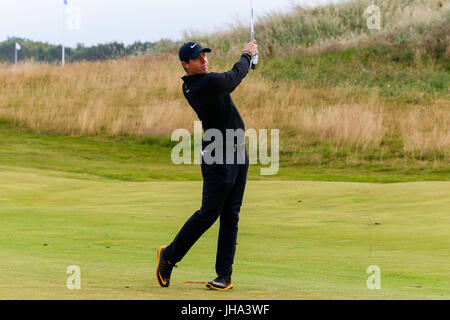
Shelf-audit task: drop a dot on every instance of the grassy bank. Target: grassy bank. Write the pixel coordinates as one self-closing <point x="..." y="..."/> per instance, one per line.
<point x="412" y="24"/>
<point x="142" y="98"/>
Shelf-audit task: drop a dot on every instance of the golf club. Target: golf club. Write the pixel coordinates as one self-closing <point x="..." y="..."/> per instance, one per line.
<point x="254" y="61"/>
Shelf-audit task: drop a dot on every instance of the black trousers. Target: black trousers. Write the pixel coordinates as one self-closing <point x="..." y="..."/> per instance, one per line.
<point x="223" y="192"/>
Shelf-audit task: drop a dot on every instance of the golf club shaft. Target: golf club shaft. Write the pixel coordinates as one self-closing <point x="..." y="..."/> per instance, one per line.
<point x="252" y="36"/>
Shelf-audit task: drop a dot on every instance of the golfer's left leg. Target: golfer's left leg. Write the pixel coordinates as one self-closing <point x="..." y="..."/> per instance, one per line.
<point x="229" y="219"/>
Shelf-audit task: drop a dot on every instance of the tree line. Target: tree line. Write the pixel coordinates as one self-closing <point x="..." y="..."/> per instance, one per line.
<point x="45" y="52"/>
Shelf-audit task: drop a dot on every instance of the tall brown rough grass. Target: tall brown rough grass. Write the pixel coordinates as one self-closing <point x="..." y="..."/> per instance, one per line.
<point x="139" y="97"/>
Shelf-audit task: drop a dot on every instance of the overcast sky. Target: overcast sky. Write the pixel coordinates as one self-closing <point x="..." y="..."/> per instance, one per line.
<point x="127" y="21"/>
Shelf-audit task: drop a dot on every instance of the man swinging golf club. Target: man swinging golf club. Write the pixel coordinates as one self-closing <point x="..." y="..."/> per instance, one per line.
<point x="223" y="183"/>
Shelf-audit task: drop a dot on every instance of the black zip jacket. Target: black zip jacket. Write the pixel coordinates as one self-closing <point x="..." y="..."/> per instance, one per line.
<point x="209" y="96"/>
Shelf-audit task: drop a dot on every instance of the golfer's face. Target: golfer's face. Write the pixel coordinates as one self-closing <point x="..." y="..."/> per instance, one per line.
<point x="199" y="65"/>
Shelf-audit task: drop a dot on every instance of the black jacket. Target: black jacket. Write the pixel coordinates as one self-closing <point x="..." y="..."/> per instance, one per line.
<point x="209" y="96"/>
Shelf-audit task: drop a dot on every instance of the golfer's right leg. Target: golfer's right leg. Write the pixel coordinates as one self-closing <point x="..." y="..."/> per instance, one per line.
<point x="215" y="191"/>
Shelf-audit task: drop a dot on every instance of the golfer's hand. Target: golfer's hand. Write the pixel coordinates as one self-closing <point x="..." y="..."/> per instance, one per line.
<point x="252" y="48"/>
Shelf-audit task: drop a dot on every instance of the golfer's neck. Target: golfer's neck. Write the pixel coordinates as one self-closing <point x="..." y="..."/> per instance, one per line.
<point x="193" y="74"/>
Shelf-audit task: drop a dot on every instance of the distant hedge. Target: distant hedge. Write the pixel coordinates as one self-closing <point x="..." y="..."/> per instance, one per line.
<point x="45" y="52"/>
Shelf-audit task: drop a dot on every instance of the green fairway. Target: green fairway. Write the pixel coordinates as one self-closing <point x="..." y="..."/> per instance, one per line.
<point x="297" y="239"/>
<point x="348" y="103"/>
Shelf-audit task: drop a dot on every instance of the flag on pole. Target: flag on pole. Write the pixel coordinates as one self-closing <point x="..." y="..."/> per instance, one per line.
<point x="18" y="47"/>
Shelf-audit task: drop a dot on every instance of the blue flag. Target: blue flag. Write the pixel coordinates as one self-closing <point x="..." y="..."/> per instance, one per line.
<point x="65" y="1"/>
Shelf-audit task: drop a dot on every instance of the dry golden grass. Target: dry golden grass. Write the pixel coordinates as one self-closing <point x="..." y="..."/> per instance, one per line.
<point x="142" y="97"/>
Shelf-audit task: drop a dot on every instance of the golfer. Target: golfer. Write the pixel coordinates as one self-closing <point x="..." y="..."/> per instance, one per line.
<point x="223" y="183"/>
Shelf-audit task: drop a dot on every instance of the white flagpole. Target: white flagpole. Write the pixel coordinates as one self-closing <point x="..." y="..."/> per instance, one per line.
<point x="63" y="53"/>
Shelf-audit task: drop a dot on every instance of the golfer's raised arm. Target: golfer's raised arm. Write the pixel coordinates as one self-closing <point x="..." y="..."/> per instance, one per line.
<point x="228" y="81"/>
